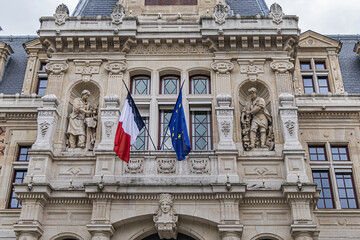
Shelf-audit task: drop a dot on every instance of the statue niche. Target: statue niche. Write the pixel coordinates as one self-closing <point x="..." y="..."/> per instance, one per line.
<point x="81" y="130"/>
<point x="256" y="121"/>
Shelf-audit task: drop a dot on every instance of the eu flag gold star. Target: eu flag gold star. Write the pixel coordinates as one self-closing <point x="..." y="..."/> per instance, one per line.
<point x="179" y="136"/>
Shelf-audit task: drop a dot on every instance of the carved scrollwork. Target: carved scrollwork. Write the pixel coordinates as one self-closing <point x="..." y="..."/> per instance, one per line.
<point x="118" y="13"/>
<point x="61" y="14"/>
<point x="220" y="13"/>
<point x="135" y="166"/>
<point x="281" y="66"/>
<point x="166" y="166"/>
<point x="56" y="68"/>
<point x="222" y="67"/>
<point x="290" y="125"/>
<point x="199" y="166"/>
<point x="115" y="67"/>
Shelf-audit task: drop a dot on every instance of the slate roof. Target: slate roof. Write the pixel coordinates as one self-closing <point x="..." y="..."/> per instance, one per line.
<point x="349" y="62"/>
<point x="104" y="7"/>
<point x="12" y="80"/>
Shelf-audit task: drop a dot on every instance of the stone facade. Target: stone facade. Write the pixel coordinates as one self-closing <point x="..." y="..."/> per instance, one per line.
<point x="225" y="192"/>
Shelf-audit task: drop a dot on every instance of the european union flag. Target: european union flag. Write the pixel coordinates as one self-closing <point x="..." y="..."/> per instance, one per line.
<point x="179" y="134"/>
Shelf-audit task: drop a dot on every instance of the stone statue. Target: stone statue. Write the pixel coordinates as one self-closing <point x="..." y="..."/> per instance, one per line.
<point x="82" y="123"/>
<point x="256" y="123"/>
<point x="165" y="219"/>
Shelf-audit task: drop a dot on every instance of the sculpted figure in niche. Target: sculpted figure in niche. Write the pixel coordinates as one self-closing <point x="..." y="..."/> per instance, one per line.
<point x="82" y="123"/>
<point x="256" y="123"/>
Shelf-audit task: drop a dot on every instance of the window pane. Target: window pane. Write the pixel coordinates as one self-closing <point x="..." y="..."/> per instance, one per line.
<point x="317" y="153"/>
<point x="339" y="153"/>
<point x="201" y="130"/>
<point x="320" y="65"/>
<point x="323" y="85"/>
<point x="346" y="190"/>
<point x="141" y="142"/>
<point x="170" y="85"/>
<point x="323" y="180"/>
<point x="305" y="65"/>
<point x="19" y="176"/>
<point x="165" y="138"/>
<point x="200" y="85"/>
<point x="141" y="85"/>
<point x="23" y="154"/>
<point x="42" y="84"/>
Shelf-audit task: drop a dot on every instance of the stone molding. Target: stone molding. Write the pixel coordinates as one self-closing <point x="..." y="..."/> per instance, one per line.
<point x="57" y="67"/>
<point x="329" y="115"/>
<point x="116" y="67"/>
<point x="87" y="68"/>
<point x="222" y="67"/>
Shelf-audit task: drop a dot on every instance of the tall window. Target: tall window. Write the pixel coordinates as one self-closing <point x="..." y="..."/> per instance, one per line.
<point x="42" y="80"/>
<point x="165" y="137"/>
<point x="331" y="163"/>
<point x="199" y="85"/>
<point x="140" y="85"/>
<point x="170" y="84"/>
<point x="201" y="130"/>
<point x="315" y="76"/>
<point x="141" y="142"/>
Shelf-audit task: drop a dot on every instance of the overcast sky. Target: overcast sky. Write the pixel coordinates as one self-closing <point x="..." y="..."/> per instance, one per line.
<point x="21" y="17"/>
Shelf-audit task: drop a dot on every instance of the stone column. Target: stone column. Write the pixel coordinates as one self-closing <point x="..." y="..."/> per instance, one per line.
<point x="223" y="69"/>
<point x="282" y="68"/>
<point x="335" y="70"/>
<point x="56" y="70"/>
<point x="302" y="198"/>
<point x="47" y="119"/>
<point x="105" y="157"/>
<point x="116" y="74"/>
<point x="40" y="163"/>
<point x="225" y="120"/>
<point x="293" y="151"/>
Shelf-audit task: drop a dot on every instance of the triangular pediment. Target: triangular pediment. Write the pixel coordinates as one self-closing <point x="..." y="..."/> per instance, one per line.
<point x="33" y="44"/>
<point x="311" y="39"/>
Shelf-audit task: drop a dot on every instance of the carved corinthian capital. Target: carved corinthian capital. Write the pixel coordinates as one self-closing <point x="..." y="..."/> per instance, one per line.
<point x="56" y="68"/>
<point x="115" y="67"/>
<point x="222" y="67"/>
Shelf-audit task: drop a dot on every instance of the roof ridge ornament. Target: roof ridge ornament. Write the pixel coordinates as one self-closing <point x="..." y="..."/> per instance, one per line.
<point x="61" y="14"/>
<point x="118" y="13"/>
<point x="276" y="13"/>
<point x="220" y="12"/>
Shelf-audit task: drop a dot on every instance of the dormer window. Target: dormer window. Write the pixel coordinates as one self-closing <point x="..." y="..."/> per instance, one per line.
<point x="315" y="76"/>
<point x="169" y="2"/>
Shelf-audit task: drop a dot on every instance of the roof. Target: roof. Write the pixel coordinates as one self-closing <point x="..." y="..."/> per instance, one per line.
<point x="12" y="80"/>
<point x="349" y="62"/>
<point x="104" y="7"/>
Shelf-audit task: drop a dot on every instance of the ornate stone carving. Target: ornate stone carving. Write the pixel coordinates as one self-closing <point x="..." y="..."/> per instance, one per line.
<point x="44" y="126"/>
<point x="281" y="66"/>
<point x="220" y="13"/>
<point x="166" y="219"/>
<point x="56" y="68"/>
<point x="256" y="123"/>
<point x="135" y="166"/>
<point x="115" y="67"/>
<point x="225" y="127"/>
<point x="199" y="166"/>
<point x="82" y="123"/>
<point x="165" y="49"/>
<point x="109" y="126"/>
<point x="252" y="68"/>
<point x="87" y="68"/>
<point x="2" y="141"/>
<point x="118" y="13"/>
<point x="290" y="126"/>
<point x="166" y="166"/>
<point x="276" y="13"/>
<point x="61" y="14"/>
<point x="222" y="67"/>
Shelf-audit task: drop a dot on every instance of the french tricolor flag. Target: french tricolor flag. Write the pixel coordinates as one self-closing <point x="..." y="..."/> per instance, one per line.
<point x="130" y="124"/>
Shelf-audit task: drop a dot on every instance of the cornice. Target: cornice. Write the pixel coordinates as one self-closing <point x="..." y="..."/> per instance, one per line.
<point x="329" y="115"/>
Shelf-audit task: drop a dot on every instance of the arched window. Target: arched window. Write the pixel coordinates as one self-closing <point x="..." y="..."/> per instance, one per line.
<point x="170" y="84"/>
<point x="140" y="85"/>
<point x="200" y="84"/>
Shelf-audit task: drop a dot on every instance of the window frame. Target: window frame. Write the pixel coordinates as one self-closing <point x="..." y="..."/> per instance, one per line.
<point x="209" y="112"/>
<point x="12" y="188"/>
<point x="353" y="188"/>
<point x="160" y="138"/>
<point x="315" y="73"/>
<point x="191" y="84"/>
<point x="146" y="136"/>
<point x="318" y="146"/>
<point x="132" y="84"/>
<point x="330" y="187"/>
<point x="162" y="91"/>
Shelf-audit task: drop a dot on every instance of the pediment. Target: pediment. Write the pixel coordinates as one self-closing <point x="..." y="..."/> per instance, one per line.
<point x="33" y="45"/>
<point x="310" y="39"/>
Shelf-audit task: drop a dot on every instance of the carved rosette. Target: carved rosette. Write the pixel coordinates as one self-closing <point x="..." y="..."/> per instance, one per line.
<point x="56" y="68"/>
<point x="115" y="67"/>
<point x="276" y="13"/>
<point x="61" y="14"/>
<point x="222" y="67"/>
<point x="165" y="218"/>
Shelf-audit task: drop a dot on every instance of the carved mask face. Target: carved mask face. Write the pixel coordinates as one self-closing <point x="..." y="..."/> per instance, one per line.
<point x="165" y="207"/>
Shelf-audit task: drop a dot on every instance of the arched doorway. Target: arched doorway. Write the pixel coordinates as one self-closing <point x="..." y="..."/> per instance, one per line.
<point x="179" y="237"/>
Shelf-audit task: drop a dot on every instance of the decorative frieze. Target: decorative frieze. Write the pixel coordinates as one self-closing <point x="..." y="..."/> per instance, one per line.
<point x="329" y="115"/>
<point x="165" y="49"/>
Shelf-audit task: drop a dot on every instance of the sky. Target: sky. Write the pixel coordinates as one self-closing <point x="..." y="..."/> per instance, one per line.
<point x="322" y="16"/>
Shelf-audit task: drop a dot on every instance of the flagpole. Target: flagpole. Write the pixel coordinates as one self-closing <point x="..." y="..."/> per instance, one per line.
<point x="167" y="128"/>
<point x="147" y="130"/>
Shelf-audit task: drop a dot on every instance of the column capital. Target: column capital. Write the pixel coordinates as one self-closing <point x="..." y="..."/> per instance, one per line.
<point x="222" y="66"/>
<point x="116" y="67"/>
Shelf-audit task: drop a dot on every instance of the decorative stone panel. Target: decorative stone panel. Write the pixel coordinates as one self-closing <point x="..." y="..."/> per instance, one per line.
<point x="200" y="166"/>
<point x="252" y="68"/>
<point x="116" y="75"/>
<point x="166" y="166"/>
<point x="225" y="120"/>
<point x="135" y="166"/>
<point x="87" y="68"/>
